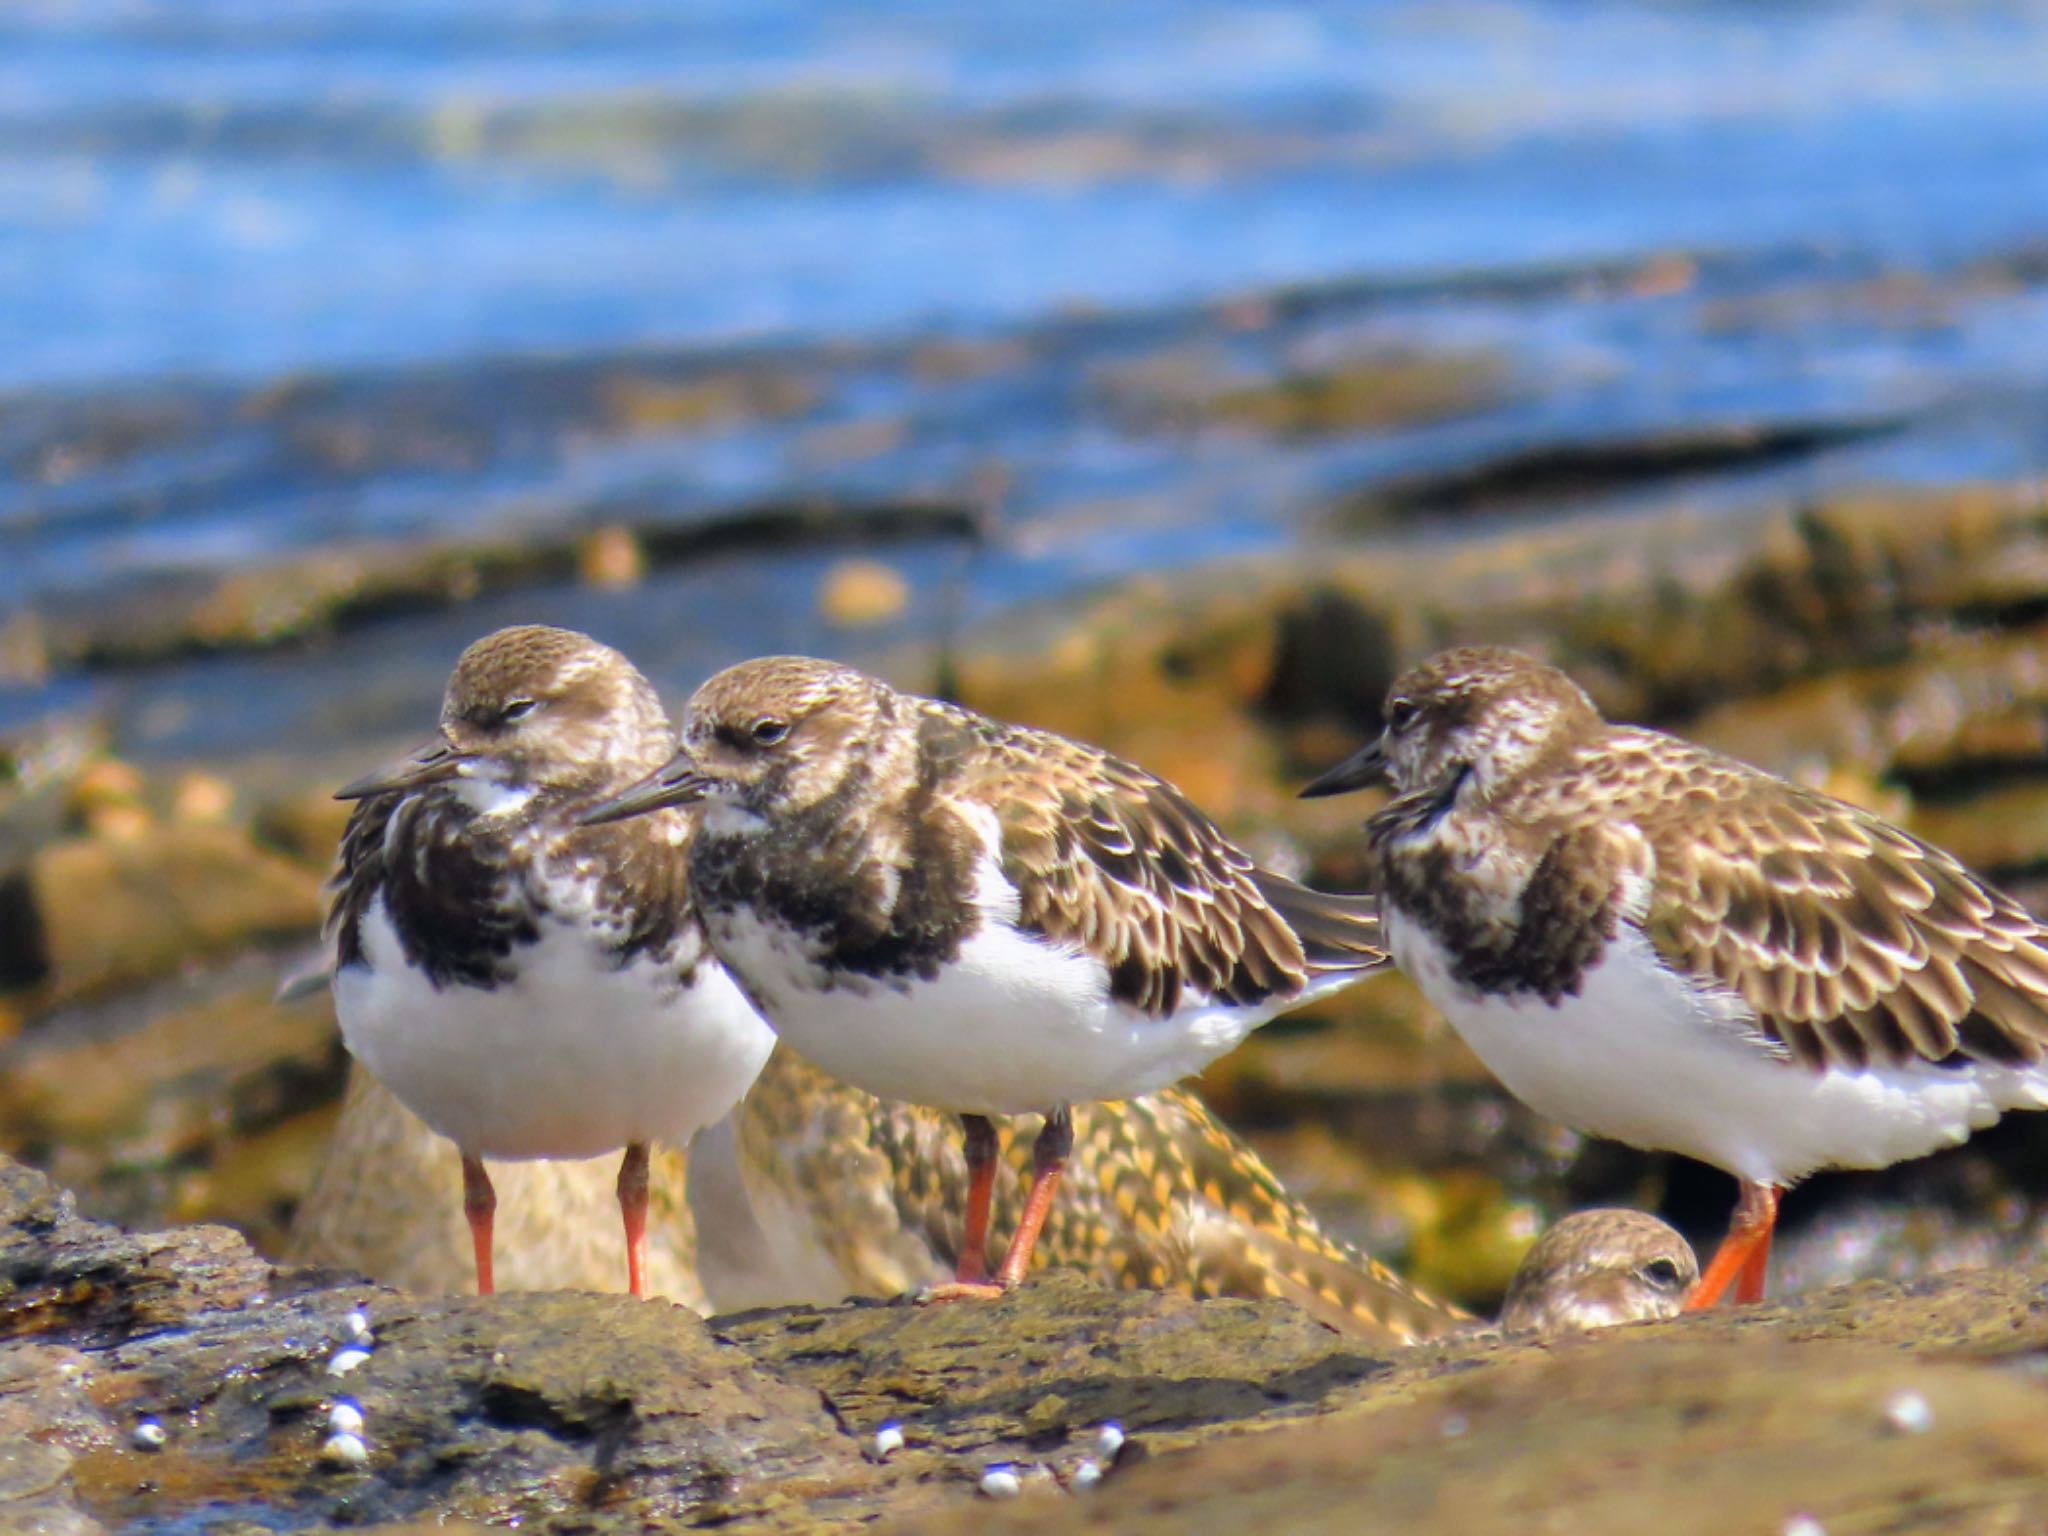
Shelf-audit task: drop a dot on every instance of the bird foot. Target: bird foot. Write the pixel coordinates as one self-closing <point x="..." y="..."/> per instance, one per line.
<point x="961" y="1290"/>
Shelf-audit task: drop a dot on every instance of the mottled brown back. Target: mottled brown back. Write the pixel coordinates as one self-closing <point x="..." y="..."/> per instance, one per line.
<point x="1157" y="1194"/>
<point x="1855" y="943"/>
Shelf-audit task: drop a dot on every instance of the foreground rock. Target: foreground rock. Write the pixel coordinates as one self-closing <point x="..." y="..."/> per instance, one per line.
<point x="1691" y="1433"/>
<point x="175" y="1379"/>
<point x="199" y="1381"/>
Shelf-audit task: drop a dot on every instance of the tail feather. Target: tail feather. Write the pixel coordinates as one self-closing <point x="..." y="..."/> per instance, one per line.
<point x="1337" y="932"/>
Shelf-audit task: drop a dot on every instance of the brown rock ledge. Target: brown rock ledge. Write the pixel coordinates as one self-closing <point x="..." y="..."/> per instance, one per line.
<point x="1871" y="1406"/>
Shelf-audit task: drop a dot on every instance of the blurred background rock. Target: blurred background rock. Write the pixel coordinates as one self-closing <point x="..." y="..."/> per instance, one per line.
<point x="1166" y="374"/>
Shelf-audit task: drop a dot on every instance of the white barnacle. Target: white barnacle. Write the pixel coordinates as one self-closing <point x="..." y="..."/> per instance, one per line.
<point x="1001" y="1482"/>
<point x="344" y="1450"/>
<point x="345" y="1418"/>
<point x="1085" y="1476"/>
<point x="1906" y="1412"/>
<point x="357" y="1326"/>
<point x="888" y="1438"/>
<point x="346" y="1360"/>
<point x="149" y="1435"/>
<point x="1109" y="1439"/>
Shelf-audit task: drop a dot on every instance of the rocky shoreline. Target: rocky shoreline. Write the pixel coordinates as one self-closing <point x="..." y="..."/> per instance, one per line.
<point x="177" y="1381"/>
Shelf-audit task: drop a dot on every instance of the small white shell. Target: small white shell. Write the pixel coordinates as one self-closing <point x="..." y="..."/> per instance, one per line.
<point x="888" y="1438"/>
<point x="1085" y="1476"/>
<point x="149" y="1435"/>
<point x="1001" y="1483"/>
<point x="357" y="1326"/>
<point x="1908" y="1413"/>
<point x="344" y="1450"/>
<point x="1109" y="1439"/>
<point x="1802" y="1525"/>
<point x="346" y="1360"/>
<point x="345" y="1418"/>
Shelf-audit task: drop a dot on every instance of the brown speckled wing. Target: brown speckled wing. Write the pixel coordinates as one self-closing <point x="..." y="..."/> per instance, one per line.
<point x="1158" y="1194"/>
<point x="1245" y="1235"/>
<point x="1122" y="865"/>
<point x="1854" y="943"/>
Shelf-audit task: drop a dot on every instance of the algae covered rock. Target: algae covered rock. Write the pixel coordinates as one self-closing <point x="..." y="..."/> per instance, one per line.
<point x="1025" y="1375"/>
<point x="175" y="1380"/>
<point x="211" y="1383"/>
<point x="1838" y="1410"/>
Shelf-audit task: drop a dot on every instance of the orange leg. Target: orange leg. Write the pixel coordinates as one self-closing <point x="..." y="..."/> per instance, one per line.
<point x="1049" y="1158"/>
<point x="982" y="1152"/>
<point x="633" y="1208"/>
<point x="970" y="1271"/>
<point x="1048" y="1162"/>
<point x="479" y="1205"/>
<point x="1744" y="1257"/>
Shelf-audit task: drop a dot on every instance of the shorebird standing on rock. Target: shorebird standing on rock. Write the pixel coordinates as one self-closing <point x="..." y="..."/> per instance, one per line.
<point x="530" y="986"/>
<point x="978" y="917"/>
<point x="1648" y="941"/>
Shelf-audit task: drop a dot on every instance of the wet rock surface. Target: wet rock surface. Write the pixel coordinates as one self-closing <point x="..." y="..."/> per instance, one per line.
<point x="1759" y="1431"/>
<point x="175" y="1380"/>
<point x="205" y="1385"/>
<point x="1030" y="1377"/>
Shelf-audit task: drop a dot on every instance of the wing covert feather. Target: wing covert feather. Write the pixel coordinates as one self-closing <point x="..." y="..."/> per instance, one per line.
<point x="1854" y="943"/>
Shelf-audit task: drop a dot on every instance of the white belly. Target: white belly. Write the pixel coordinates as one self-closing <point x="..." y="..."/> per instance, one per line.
<point x="1642" y="1056"/>
<point x="573" y="1060"/>
<point x="1012" y="1026"/>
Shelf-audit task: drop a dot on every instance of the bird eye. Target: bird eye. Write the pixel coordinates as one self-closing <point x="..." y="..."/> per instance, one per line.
<point x="1663" y="1274"/>
<point x="769" y="731"/>
<point x="1401" y="714"/>
<point x="517" y="709"/>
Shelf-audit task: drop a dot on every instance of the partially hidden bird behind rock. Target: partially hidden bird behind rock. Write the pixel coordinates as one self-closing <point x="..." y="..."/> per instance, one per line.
<point x="813" y="1191"/>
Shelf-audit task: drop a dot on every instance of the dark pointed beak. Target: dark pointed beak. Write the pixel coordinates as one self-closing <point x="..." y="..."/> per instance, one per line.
<point x="676" y="783"/>
<point x="1366" y="766"/>
<point x="434" y="762"/>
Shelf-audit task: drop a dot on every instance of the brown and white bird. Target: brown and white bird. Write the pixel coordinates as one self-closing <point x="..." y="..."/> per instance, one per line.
<point x="1598" y="1268"/>
<point x="532" y="987"/>
<point x="950" y="911"/>
<point x="811" y="1191"/>
<point x="1648" y="941"/>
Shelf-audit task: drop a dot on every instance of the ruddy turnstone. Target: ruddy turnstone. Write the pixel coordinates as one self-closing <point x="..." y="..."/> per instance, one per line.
<point x="813" y="1189"/>
<point x="978" y="917"/>
<point x="1649" y="941"/>
<point x="1597" y="1268"/>
<point x="529" y="986"/>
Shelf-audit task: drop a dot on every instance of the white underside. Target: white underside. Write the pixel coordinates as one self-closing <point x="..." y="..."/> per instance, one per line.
<point x="1646" y="1057"/>
<point x="575" y="1059"/>
<point x="1014" y="1025"/>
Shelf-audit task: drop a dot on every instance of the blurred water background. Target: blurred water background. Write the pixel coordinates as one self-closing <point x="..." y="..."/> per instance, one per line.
<point x="283" y="279"/>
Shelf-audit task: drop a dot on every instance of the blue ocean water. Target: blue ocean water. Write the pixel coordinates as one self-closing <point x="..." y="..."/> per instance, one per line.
<point x="440" y="231"/>
<point x="239" y="189"/>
